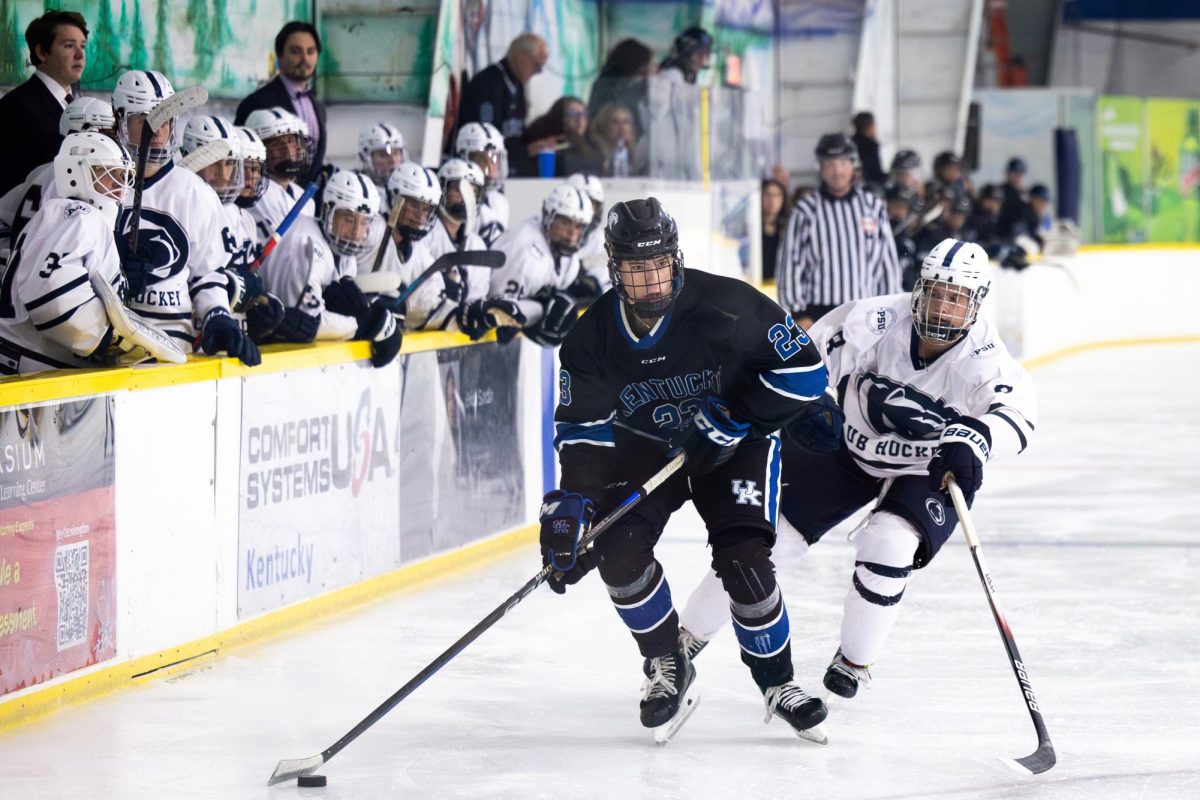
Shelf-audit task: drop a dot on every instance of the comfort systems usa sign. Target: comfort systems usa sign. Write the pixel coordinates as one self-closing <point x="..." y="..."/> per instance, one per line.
<point x="319" y="479"/>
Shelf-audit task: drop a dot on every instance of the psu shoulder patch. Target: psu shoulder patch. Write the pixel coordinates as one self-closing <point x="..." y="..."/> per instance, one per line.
<point x="879" y="319"/>
<point x="76" y="208"/>
<point x="985" y="350"/>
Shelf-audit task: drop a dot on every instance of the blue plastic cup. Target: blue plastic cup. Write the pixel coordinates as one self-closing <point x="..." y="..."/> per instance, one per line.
<point x="545" y="162"/>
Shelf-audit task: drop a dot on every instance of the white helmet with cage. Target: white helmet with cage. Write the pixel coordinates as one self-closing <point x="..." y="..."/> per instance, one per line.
<point x="954" y="279"/>
<point x="451" y="175"/>
<point x="136" y="94"/>
<point x="254" y="174"/>
<point x="569" y="203"/>
<point x="95" y="169"/>
<point x="418" y="189"/>
<point x="348" y="205"/>
<point x="381" y="149"/>
<point x="87" y="114"/>
<point x="223" y="175"/>
<point x="287" y="140"/>
<point x="482" y="144"/>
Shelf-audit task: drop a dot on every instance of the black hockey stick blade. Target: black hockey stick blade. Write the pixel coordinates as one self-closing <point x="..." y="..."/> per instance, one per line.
<point x="491" y="259"/>
<point x="1041" y="760"/>
<point x="292" y="768"/>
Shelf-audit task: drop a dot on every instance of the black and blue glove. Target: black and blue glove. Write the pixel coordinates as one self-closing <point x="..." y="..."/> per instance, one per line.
<point x="383" y="330"/>
<point x="136" y="266"/>
<point x="222" y="333"/>
<point x="963" y="449"/>
<point x="297" y="326"/>
<point x="563" y="518"/>
<point x="243" y="287"/>
<point x="818" y="426"/>
<point x="715" y="438"/>
<point x="263" y="317"/>
<point x="344" y="297"/>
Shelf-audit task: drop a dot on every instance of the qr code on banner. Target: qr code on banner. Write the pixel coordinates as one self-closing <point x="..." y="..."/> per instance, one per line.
<point x="71" y="581"/>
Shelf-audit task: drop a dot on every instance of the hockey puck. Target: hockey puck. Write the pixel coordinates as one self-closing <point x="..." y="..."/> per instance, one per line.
<point x="311" y="780"/>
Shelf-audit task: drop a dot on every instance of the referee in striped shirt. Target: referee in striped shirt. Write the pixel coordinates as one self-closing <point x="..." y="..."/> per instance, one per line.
<point x="838" y="246"/>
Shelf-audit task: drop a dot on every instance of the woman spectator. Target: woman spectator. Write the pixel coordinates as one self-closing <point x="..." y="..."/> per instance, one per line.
<point x="622" y="80"/>
<point x="612" y="133"/>
<point x="567" y="122"/>
<point x="774" y="222"/>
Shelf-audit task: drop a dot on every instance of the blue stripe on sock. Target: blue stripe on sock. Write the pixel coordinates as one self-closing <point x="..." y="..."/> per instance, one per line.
<point x="648" y="614"/>
<point x="765" y="640"/>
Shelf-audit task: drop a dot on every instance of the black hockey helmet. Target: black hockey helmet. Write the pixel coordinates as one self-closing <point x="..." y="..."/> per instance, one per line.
<point x="944" y="159"/>
<point x="640" y="230"/>
<point x="906" y="160"/>
<point x="836" y="145"/>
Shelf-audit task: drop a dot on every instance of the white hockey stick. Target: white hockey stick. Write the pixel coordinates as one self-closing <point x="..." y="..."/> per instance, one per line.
<point x="206" y="155"/>
<point x="378" y="282"/>
<point x="132" y="328"/>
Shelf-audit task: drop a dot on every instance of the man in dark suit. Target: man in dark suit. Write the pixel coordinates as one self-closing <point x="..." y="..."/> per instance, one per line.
<point x="31" y="111"/>
<point x="297" y="47"/>
<point x="497" y="95"/>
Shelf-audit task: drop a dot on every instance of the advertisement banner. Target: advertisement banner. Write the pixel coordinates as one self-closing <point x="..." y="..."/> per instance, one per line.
<point x="1173" y="128"/>
<point x="320" y="477"/>
<point x="461" y="447"/>
<point x="1121" y="138"/>
<point x="58" y="593"/>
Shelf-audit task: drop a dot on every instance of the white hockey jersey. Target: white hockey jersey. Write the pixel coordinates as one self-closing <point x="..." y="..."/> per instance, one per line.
<point x="21" y="202"/>
<point x="297" y="272"/>
<point x="274" y="205"/>
<point x="491" y="216"/>
<point x="531" y="272"/>
<point x="430" y="297"/>
<point x="238" y="236"/>
<point x="593" y="258"/>
<point x="181" y="230"/>
<point x="427" y="305"/>
<point x="50" y="318"/>
<point x="897" y="404"/>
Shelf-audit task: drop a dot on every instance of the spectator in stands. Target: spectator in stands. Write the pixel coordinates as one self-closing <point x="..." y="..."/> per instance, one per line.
<point x="612" y="133"/>
<point x="689" y="54"/>
<point x="868" y="149"/>
<point x="297" y="48"/>
<point x="623" y="79"/>
<point x="31" y="112"/>
<point x="566" y="123"/>
<point x="497" y="95"/>
<point x="774" y="221"/>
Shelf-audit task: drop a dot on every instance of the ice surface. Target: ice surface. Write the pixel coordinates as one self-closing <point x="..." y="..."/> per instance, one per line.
<point x="1093" y="538"/>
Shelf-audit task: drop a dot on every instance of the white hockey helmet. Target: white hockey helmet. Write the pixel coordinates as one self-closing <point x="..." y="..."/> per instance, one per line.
<point x="223" y="174"/>
<point x="254" y="159"/>
<point x="348" y="205"/>
<point x="95" y="169"/>
<point x="954" y="279"/>
<point x="136" y="94"/>
<point x="451" y="175"/>
<point x="568" y="203"/>
<point x="381" y="149"/>
<point x="591" y="186"/>
<point x="482" y="144"/>
<point x="87" y="114"/>
<point x="287" y="140"/>
<point x="418" y="189"/>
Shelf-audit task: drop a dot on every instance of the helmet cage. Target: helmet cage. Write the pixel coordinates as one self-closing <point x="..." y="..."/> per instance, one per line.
<point x="943" y="312"/>
<point x="289" y="155"/>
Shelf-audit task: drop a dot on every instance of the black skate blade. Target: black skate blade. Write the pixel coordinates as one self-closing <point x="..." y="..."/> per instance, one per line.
<point x="687" y="706"/>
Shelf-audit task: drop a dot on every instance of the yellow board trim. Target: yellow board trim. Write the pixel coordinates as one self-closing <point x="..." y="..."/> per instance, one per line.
<point x="1113" y="248"/>
<point x="38" y="703"/>
<point x="1059" y="355"/>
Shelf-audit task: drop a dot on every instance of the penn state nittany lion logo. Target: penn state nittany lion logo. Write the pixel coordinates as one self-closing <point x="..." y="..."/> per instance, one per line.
<point x="161" y="239"/>
<point x="900" y="409"/>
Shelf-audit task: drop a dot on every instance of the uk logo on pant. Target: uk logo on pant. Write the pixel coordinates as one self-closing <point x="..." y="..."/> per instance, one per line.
<point x="747" y="493"/>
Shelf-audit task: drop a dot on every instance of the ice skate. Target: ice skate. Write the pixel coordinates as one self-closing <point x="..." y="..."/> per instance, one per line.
<point x="689" y="643"/>
<point x="799" y="709"/>
<point x="669" y="697"/>
<point x="844" y="679"/>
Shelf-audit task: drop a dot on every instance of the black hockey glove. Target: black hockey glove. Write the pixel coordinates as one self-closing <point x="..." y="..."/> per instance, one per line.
<point x="136" y="266"/>
<point x="297" y="326"/>
<point x="714" y="439"/>
<point x="453" y="286"/>
<point x="344" y="297"/>
<point x="221" y="332"/>
<point x="477" y="318"/>
<point x="556" y="323"/>
<point x="380" y="327"/>
<point x="585" y="290"/>
<point x="564" y="516"/>
<point x="963" y="449"/>
<point x="243" y="286"/>
<point x="818" y="427"/>
<point x="263" y="317"/>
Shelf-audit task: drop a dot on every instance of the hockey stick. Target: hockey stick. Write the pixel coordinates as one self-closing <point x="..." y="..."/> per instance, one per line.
<point x="392" y="221"/>
<point x="206" y="155"/>
<point x="283" y="227"/>
<point x="294" y="768"/>
<point x="172" y="107"/>
<point x="491" y="259"/>
<point x="1043" y="758"/>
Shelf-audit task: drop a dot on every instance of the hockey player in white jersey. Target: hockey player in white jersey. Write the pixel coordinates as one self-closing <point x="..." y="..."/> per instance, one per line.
<point x="925" y="389"/>
<point x="21" y="202"/>
<point x="312" y="271"/>
<point x="542" y="262"/>
<point x="289" y="156"/>
<point x="481" y="144"/>
<point x="381" y="149"/>
<point x="593" y="259"/>
<point x="174" y="277"/>
<point x="51" y="316"/>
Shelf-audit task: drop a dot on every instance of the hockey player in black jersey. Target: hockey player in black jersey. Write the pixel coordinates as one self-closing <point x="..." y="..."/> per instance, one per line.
<point x="667" y="358"/>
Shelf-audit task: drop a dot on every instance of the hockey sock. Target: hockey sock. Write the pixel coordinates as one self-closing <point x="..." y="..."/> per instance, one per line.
<point x="646" y="609"/>
<point x="882" y="567"/>
<point x="742" y="559"/>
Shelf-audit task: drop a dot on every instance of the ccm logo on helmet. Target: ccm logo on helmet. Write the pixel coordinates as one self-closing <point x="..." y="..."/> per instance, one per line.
<point x="649" y="244"/>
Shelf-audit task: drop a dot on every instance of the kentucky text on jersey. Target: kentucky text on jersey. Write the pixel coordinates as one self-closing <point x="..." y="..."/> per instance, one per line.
<point x="676" y="387"/>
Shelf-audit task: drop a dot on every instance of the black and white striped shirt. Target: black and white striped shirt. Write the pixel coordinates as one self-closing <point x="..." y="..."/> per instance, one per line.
<point x="836" y="250"/>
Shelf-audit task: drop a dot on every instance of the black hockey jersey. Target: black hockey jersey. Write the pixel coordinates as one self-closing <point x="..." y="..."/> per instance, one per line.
<point x="721" y="337"/>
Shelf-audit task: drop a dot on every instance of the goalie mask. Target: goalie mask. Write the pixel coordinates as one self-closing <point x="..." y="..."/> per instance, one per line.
<point x="482" y="144"/>
<point x="286" y="138"/>
<point x="566" y="212"/>
<point x="417" y="188"/>
<point x="644" y="261"/>
<point x="348" y="206"/>
<point x="953" y="282"/>
<point x="453" y="175"/>
<point x="254" y="173"/>
<point x="88" y="114"/>
<point x="381" y="150"/>
<point x="95" y="169"/>
<point x="136" y="94"/>
<point x="224" y="175"/>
